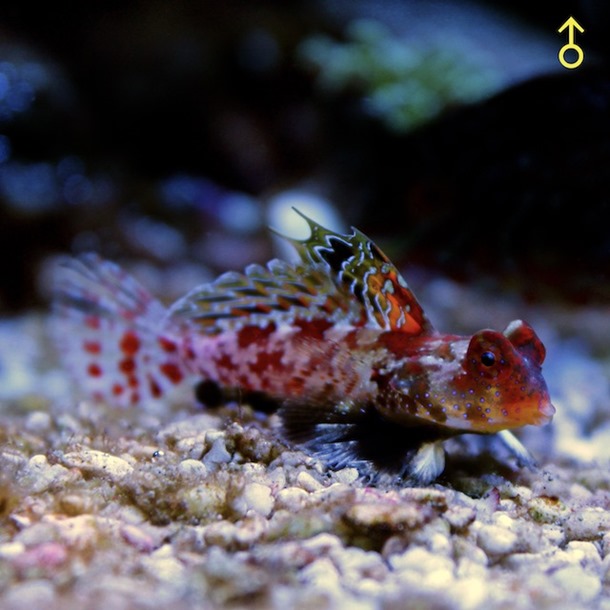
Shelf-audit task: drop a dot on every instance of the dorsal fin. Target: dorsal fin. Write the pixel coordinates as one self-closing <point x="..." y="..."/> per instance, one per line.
<point x="359" y="268"/>
<point x="341" y="278"/>
<point x="278" y="292"/>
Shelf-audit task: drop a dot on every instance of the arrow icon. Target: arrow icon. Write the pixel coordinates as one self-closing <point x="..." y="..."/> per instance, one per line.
<point x="572" y="25"/>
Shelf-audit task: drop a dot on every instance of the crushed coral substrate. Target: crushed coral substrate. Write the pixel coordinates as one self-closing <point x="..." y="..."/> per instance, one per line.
<point x="187" y="508"/>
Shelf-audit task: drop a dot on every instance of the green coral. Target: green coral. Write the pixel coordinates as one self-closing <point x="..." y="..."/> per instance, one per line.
<point x="404" y="82"/>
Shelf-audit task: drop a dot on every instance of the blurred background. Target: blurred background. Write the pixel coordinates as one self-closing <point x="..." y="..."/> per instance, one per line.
<point x="169" y="135"/>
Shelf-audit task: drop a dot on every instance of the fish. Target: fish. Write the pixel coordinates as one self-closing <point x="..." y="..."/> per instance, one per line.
<point x="336" y="343"/>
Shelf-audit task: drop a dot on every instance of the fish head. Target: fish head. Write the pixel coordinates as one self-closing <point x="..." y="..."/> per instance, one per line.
<point x="489" y="382"/>
<point x="500" y="385"/>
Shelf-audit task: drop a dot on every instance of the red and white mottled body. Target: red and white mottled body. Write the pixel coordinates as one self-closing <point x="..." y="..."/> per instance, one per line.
<point x="336" y="339"/>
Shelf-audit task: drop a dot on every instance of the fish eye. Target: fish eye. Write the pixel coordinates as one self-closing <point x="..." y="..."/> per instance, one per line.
<point x="488" y="359"/>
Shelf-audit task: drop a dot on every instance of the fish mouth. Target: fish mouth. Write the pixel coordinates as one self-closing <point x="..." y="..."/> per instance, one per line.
<point x="546" y="410"/>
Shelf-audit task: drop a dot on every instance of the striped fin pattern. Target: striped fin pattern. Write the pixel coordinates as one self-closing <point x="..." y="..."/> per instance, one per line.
<point x="277" y="292"/>
<point x="357" y="266"/>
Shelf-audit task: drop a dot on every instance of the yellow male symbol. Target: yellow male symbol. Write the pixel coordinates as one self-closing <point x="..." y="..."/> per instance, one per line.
<point x="571" y="24"/>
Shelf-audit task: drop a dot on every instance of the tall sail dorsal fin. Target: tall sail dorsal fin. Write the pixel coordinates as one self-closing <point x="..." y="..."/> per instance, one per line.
<point x="340" y="278"/>
<point x="358" y="266"/>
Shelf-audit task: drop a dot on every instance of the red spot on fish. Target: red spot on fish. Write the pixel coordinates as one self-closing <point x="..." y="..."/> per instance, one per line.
<point x="94" y="370"/>
<point x="243" y="381"/>
<point x="313" y="329"/>
<point x="224" y="362"/>
<point x="155" y="388"/>
<point x="399" y="343"/>
<point x="263" y="382"/>
<point x="351" y="339"/>
<point x="132" y="381"/>
<point x="268" y="360"/>
<point x="127" y="365"/>
<point x="130" y="343"/>
<point x="167" y="345"/>
<point x="172" y="372"/>
<point x="117" y="389"/>
<point x="296" y="385"/>
<point x="186" y="348"/>
<point x="92" y="347"/>
<point x="254" y="334"/>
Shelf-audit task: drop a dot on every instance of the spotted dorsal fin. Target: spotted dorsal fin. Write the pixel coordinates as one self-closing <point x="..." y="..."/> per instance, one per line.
<point x="359" y="267"/>
<point x="278" y="292"/>
<point x="341" y="278"/>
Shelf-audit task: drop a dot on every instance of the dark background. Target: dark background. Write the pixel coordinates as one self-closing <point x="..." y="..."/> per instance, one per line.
<point x="121" y="99"/>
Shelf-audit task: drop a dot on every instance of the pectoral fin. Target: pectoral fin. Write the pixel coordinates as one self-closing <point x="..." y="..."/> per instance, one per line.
<point x="349" y="436"/>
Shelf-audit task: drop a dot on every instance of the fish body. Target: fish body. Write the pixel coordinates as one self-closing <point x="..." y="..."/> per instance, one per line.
<point x="338" y="341"/>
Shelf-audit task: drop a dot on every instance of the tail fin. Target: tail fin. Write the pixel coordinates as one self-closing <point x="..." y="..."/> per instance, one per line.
<point x="111" y="333"/>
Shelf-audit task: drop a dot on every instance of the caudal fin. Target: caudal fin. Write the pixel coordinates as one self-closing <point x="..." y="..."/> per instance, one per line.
<point x="111" y="333"/>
